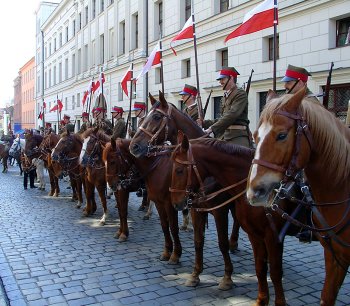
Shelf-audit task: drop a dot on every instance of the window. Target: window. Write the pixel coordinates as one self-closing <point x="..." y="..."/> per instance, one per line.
<point x="111" y="43"/>
<point x="339" y="97"/>
<point x="122" y="38"/>
<point x="86" y="15"/>
<point x="93" y="53"/>
<point x="343" y="32"/>
<point x="263" y="96"/>
<point x="86" y="57"/>
<point x="271" y="48"/>
<point x="73" y="102"/>
<point x="49" y="78"/>
<point x="79" y="62"/>
<point x="102" y="49"/>
<point x="102" y="5"/>
<point x="187" y="9"/>
<point x="120" y="92"/>
<point x="224" y="58"/>
<point x="160" y="18"/>
<point x="50" y="49"/>
<point x="158" y="76"/>
<point x="73" y="65"/>
<point x="158" y="22"/>
<point x="67" y="32"/>
<point x="66" y="103"/>
<point x="112" y="1"/>
<point x="60" y="72"/>
<point x="93" y="10"/>
<point x="135" y="29"/>
<point x="54" y="45"/>
<point x="186" y="68"/>
<point x="79" y="21"/>
<point x="73" y="27"/>
<point x="45" y="53"/>
<point x="217" y="107"/>
<point x="78" y="100"/>
<point x="60" y="40"/>
<point x="45" y="78"/>
<point x="54" y="75"/>
<point x="66" y="68"/>
<point x="223" y="5"/>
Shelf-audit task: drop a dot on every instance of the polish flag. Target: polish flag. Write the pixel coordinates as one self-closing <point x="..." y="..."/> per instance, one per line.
<point x="97" y="88"/>
<point x="126" y="78"/>
<point x="259" y="18"/>
<point x="186" y="33"/>
<point x="153" y="59"/>
<point x="44" y="104"/>
<point x="86" y="94"/>
<point x="57" y="106"/>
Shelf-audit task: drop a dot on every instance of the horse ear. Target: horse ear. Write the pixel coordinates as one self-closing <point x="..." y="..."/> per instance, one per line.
<point x="162" y="99"/>
<point x="294" y="102"/>
<point x="152" y="99"/>
<point x="185" y="144"/>
<point x="113" y="143"/>
<point x="180" y="136"/>
<point x="271" y="95"/>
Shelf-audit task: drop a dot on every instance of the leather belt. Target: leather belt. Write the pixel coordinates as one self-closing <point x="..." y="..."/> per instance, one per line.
<point x="237" y="127"/>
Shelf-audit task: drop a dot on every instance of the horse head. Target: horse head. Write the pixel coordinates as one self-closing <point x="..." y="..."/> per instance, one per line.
<point x="283" y="147"/>
<point x="32" y="143"/>
<point x="67" y="149"/>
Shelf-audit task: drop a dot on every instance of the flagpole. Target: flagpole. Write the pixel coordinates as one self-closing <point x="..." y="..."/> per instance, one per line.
<point x="130" y="98"/>
<point x="43" y="114"/>
<point x="58" y="118"/>
<point x="274" y="44"/>
<point x="101" y="81"/>
<point x="161" y="59"/>
<point x="199" y="99"/>
<point x="90" y="98"/>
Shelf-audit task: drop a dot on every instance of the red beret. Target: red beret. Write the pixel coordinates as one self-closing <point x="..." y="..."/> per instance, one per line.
<point x="117" y="109"/>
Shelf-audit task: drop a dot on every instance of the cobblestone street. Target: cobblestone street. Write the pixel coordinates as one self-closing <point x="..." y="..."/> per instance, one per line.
<point x="51" y="255"/>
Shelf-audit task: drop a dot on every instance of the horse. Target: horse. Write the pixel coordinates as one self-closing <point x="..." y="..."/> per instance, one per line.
<point x="15" y="151"/>
<point x="296" y="136"/>
<point x="66" y="153"/>
<point x="4" y="154"/>
<point x="229" y="164"/>
<point x="94" y="140"/>
<point x="162" y="124"/>
<point x="37" y="146"/>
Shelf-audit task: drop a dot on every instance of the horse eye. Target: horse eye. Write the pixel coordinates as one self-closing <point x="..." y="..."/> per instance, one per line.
<point x="157" y="117"/>
<point x="179" y="171"/>
<point x="281" y="136"/>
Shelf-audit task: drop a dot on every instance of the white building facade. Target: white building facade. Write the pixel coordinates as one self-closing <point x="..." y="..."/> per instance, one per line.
<point x="81" y="38"/>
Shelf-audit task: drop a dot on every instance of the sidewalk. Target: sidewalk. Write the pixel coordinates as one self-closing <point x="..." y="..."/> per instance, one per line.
<point x="51" y="255"/>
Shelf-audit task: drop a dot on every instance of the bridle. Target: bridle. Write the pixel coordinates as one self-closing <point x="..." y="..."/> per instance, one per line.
<point x="93" y="158"/>
<point x="164" y="125"/>
<point x="201" y="196"/>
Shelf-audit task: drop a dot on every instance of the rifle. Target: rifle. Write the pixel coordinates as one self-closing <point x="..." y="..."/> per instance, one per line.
<point x="207" y="103"/>
<point x="249" y="82"/>
<point x="328" y="86"/>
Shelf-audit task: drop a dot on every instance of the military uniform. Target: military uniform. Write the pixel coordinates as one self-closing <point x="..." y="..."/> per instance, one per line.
<point x="104" y="124"/>
<point x="119" y="130"/>
<point x="192" y="111"/>
<point x="190" y="92"/>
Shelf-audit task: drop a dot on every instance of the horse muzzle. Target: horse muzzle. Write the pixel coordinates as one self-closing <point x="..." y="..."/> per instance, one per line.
<point x="138" y="150"/>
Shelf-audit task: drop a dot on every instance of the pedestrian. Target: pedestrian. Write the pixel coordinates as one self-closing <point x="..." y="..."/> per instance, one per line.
<point x="119" y="130"/>
<point x="29" y="172"/>
<point x="233" y="125"/>
<point x="188" y="95"/>
<point x="296" y="78"/>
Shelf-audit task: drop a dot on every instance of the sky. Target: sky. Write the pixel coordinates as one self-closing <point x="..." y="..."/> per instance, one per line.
<point x="17" y="32"/>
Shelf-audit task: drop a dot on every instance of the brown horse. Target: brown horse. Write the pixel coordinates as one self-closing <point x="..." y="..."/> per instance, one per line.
<point x="37" y="146"/>
<point x="162" y="123"/>
<point x="229" y="164"/>
<point x="296" y="135"/>
<point x="66" y="153"/>
<point x="94" y="141"/>
<point x="4" y="155"/>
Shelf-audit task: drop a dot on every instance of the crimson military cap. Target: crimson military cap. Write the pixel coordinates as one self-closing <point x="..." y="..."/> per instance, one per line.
<point x="294" y="73"/>
<point x="48" y="124"/>
<point x="85" y="114"/>
<point x="189" y="90"/>
<point x="139" y="106"/>
<point x="226" y="72"/>
<point x="117" y="109"/>
<point x="66" y="116"/>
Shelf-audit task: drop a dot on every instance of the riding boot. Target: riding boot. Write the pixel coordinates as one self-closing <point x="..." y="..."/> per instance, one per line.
<point x="32" y="178"/>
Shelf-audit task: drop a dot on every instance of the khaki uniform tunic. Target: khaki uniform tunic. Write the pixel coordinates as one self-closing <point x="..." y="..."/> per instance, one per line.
<point x="192" y="111"/>
<point x="119" y="130"/>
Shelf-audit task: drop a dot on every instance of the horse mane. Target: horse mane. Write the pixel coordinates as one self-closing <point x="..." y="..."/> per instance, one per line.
<point x="75" y="136"/>
<point x="330" y="136"/>
<point x="225" y="147"/>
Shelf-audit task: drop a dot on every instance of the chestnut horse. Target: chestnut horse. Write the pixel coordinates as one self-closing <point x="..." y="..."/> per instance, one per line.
<point x="162" y="123"/>
<point x="37" y="146"/>
<point x="4" y="155"/>
<point x="229" y="164"/>
<point x="295" y="136"/>
<point x="66" y="153"/>
<point x="94" y="140"/>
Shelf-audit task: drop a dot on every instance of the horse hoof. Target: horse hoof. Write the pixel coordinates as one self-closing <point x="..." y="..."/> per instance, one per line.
<point x="141" y="208"/>
<point x="50" y="194"/>
<point x="173" y="260"/>
<point x="117" y="235"/>
<point x="164" y="257"/>
<point x="78" y="205"/>
<point x="122" y="238"/>
<point x="192" y="282"/>
<point x="102" y="222"/>
<point x="145" y="217"/>
<point x="226" y="284"/>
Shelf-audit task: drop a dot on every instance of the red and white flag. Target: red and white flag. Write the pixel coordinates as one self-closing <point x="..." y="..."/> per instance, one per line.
<point x="97" y="87"/>
<point x="58" y="106"/>
<point x="186" y="33"/>
<point x="259" y="18"/>
<point x="44" y="104"/>
<point x="125" y="79"/>
<point x="153" y="60"/>
<point x="86" y="94"/>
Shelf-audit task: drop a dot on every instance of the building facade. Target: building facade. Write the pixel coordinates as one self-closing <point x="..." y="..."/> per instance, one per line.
<point x="28" y="113"/>
<point x="82" y="38"/>
<point x="17" y="104"/>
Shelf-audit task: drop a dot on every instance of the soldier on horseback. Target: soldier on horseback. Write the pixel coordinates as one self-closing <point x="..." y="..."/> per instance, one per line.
<point x="67" y="124"/>
<point x="99" y="114"/>
<point x="119" y="130"/>
<point x="140" y="112"/>
<point x="86" y="123"/>
<point x="188" y="95"/>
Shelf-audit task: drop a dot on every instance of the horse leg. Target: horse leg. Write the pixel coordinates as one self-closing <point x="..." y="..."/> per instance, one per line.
<point x="186" y="223"/>
<point x="89" y="188"/>
<point x="102" y="193"/>
<point x="122" y="199"/>
<point x="335" y="275"/>
<point x="168" y="245"/>
<point x="275" y="255"/>
<point x="20" y="167"/>
<point x="57" y="187"/>
<point x="235" y="231"/>
<point x="73" y="184"/>
<point x="260" y="258"/>
<point x="198" y="222"/>
<point x="174" y="228"/>
<point x="221" y="223"/>
<point x="52" y="183"/>
<point x="149" y="209"/>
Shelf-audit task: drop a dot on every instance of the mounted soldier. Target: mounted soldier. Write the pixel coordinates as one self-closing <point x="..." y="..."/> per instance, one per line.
<point x="48" y="128"/>
<point x="233" y="125"/>
<point x="99" y="114"/>
<point x="85" y="124"/>
<point x="140" y="112"/>
<point x="188" y="95"/>
<point x="67" y="124"/>
<point x="119" y="130"/>
<point x="296" y="78"/>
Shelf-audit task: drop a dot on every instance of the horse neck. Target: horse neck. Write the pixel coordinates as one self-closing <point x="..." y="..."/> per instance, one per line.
<point x="186" y="125"/>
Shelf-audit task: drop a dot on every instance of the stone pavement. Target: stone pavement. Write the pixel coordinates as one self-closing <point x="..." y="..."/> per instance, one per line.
<point x="51" y="255"/>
